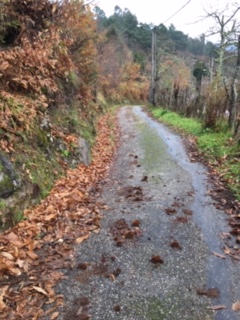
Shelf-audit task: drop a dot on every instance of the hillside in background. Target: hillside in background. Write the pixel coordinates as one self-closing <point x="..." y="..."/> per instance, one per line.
<point x="192" y="76"/>
<point x="173" y="47"/>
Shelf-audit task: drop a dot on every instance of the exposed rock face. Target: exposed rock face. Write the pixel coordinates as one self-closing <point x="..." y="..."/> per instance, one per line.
<point x="17" y="194"/>
<point x="84" y="151"/>
<point x="9" y="181"/>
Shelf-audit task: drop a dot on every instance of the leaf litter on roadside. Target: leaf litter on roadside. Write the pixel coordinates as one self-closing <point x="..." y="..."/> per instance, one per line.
<point x="33" y="252"/>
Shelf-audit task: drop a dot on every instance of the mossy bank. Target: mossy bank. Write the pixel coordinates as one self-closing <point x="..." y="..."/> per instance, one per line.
<point x="55" y="141"/>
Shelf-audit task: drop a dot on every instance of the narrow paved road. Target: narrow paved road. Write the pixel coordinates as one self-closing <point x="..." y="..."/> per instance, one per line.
<point x="153" y="258"/>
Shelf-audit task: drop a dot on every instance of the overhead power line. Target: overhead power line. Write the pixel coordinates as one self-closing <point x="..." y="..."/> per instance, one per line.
<point x="178" y="11"/>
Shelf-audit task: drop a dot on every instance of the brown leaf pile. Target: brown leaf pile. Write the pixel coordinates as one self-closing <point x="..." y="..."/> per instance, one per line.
<point x="34" y="251"/>
<point x="122" y="231"/>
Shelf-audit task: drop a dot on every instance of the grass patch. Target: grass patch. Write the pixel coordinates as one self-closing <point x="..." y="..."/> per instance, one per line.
<point x="217" y="145"/>
<point x="191" y="126"/>
<point x="19" y="216"/>
<point x="2" y="204"/>
<point x="42" y="154"/>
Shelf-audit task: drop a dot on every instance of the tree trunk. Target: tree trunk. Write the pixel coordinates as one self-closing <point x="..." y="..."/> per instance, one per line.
<point x="152" y="96"/>
<point x="234" y="94"/>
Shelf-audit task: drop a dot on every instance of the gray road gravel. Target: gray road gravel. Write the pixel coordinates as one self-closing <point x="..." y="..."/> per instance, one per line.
<point x="155" y="268"/>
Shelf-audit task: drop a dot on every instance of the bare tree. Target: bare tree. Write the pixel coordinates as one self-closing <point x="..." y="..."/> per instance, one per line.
<point x="226" y="27"/>
<point x="233" y="94"/>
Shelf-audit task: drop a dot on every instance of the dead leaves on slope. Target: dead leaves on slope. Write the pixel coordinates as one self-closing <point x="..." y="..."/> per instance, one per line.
<point x="33" y="252"/>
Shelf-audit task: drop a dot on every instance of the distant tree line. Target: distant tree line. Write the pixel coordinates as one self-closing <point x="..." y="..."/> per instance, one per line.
<point x="139" y="34"/>
<point x="194" y="76"/>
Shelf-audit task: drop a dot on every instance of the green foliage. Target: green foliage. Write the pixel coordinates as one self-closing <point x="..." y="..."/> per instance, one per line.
<point x="65" y="153"/>
<point x="140" y="58"/>
<point x="179" y="38"/>
<point x="125" y="23"/>
<point x="216" y="144"/>
<point x="74" y="79"/>
<point x="195" y="46"/>
<point x="200" y="70"/>
<point x="101" y="17"/>
<point x="2" y="204"/>
<point x="19" y="216"/>
<point x="139" y="35"/>
<point x="209" y="49"/>
<point x="191" y="126"/>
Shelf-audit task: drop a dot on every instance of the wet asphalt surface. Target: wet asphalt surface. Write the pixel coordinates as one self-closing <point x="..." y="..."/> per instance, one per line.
<point x="152" y="258"/>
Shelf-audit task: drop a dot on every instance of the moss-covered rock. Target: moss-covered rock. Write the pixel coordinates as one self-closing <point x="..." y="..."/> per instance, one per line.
<point x="42" y="154"/>
<point x="8" y="178"/>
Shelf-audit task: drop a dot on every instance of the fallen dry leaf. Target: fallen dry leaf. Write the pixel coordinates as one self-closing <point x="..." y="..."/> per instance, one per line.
<point x="129" y="234"/>
<point x="7" y="255"/>
<point x="50" y="217"/>
<point x="2" y="293"/>
<point x="170" y="211"/>
<point x="175" y="244"/>
<point x="82" y="265"/>
<point x="188" y="212"/>
<point x="136" y="223"/>
<point x="156" y="260"/>
<point x="219" y="307"/>
<point x="32" y="255"/>
<point x="111" y="276"/>
<point x="210" y="293"/>
<point x="235" y="257"/>
<point x="82" y="238"/>
<point x="227" y="250"/>
<point x="181" y="220"/>
<point x="219" y="255"/>
<point x="225" y="235"/>
<point x="54" y="315"/>
<point x="117" y="308"/>
<point x="40" y="290"/>
<point x="236" y="306"/>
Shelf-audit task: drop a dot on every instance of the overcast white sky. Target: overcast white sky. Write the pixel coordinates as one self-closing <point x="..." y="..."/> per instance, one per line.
<point x="157" y="11"/>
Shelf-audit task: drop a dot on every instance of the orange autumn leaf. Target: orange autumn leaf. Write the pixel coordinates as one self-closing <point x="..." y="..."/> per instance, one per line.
<point x="40" y="290"/>
<point x="236" y="306"/>
<point x="32" y="255"/>
<point x="82" y="238"/>
<point x="54" y="315"/>
<point x="50" y="217"/>
<point x="2" y="294"/>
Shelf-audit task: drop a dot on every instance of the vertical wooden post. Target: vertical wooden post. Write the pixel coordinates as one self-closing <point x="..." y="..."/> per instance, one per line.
<point x="152" y="97"/>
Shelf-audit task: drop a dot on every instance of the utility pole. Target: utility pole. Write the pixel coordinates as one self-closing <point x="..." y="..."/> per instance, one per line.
<point x="152" y="96"/>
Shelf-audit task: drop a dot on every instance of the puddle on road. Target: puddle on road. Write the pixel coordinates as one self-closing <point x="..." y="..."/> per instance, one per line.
<point x="222" y="274"/>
